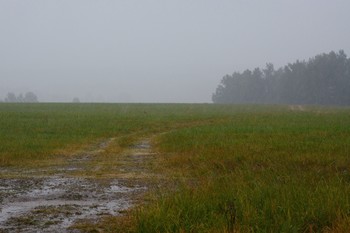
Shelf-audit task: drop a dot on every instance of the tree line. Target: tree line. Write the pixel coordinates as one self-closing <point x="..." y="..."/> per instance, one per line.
<point x="28" y="97"/>
<point x="322" y="80"/>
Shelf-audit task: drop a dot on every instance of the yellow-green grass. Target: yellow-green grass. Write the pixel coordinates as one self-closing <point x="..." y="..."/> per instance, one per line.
<point x="229" y="168"/>
<point x="261" y="171"/>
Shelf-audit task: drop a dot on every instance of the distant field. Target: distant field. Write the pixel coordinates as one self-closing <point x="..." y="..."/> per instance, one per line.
<point x="227" y="168"/>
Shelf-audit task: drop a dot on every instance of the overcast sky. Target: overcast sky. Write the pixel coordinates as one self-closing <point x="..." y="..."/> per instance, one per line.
<point x="156" y="50"/>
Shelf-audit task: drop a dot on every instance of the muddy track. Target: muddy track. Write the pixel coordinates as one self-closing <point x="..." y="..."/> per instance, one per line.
<point x="33" y="202"/>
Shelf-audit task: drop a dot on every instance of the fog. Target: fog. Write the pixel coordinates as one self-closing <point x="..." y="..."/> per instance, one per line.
<point x="156" y="51"/>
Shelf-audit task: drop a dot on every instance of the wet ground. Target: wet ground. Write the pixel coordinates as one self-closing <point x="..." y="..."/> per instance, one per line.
<point x="37" y="203"/>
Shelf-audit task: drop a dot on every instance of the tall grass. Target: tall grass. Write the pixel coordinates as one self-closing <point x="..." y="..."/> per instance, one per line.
<point x="280" y="171"/>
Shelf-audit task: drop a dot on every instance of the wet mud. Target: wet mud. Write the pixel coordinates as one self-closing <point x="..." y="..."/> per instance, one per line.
<point x="35" y="203"/>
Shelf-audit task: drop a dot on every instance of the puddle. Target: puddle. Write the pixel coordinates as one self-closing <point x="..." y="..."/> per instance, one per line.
<point x="53" y="203"/>
<point x="142" y="145"/>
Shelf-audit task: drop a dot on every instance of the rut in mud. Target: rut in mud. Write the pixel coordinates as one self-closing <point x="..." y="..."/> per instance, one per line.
<point x="32" y="202"/>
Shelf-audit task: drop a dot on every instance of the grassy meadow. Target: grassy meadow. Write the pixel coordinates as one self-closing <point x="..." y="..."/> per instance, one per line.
<point x="225" y="168"/>
<point x="40" y="132"/>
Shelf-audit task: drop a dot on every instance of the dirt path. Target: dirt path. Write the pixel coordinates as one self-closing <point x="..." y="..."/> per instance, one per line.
<point x="32" y="202"/>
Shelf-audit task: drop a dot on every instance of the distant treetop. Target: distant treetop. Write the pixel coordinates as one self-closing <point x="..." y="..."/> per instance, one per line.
<point x="76" y="100"/>
<point x="322" y="80"/>
<point x="28" y="97"/>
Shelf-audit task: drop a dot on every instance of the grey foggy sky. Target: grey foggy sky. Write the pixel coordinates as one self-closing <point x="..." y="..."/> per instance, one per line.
<point x="156" y="50"/>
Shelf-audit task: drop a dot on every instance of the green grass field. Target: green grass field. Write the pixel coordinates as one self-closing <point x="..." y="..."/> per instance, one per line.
<point x="227" y="168"/>
<point x="38" y="132"/>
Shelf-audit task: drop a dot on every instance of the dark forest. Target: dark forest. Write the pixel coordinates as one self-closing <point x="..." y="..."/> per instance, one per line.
<point x="322" y="80"/>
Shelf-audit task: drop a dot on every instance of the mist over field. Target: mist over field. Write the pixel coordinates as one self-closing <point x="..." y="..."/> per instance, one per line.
<point x="271" y="154"/>
<point x="156" y="51"/>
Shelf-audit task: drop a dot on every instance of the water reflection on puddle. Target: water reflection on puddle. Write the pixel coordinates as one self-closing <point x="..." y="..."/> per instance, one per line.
<point x="60" y="201"/>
